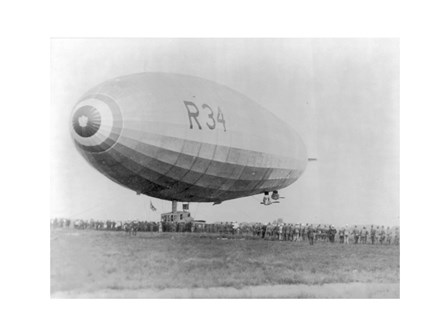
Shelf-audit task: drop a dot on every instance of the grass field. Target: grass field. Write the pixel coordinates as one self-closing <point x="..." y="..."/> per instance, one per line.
<point x="113" y="264"/>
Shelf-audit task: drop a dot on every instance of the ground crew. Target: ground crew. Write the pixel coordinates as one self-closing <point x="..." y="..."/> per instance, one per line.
<point x="388" y="235"/>
<point x="397" y="236"/>
<point x="364" y="234"/>
<point x="372" y="234"/>
<point x="305" y="232"/>
<point x="331" y="233"/>
<point x="382" y="235"/>
<point x="346" y="235"/>
<point x="377" y="236"/>
<point x="273" y="231"/>
<point x="356" y="234"/>
<point x="311" y="234"/>
<point x="317" y="232"/>
<point x="325" y="233"/>
<point x="288" y="232"/>
<point x="267" y="234"/>
<point x="295" y="233"/>
<point x="341" y="236"/>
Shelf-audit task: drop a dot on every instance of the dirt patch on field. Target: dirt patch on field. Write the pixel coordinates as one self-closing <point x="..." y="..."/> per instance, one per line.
<point x="335" y="290"/>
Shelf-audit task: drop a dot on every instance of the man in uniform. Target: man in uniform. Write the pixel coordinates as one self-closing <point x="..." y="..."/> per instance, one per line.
<point x="299" y="232"/>
<point x="311" y="234"/>
<point x="263" y="231"/>
<point x="288" y="232"/>
<point x="317" y="232"/>
<point x="356" y="234"/>
<point x="295" y="232"/>
<point x="397" y="236"/>
<point x="363" y="235"/>
<point x="274" y="231"/>
<point x="372" y="234"/>
<point x="346" y="235"/>
<point x="377" y="236"/>
<point x="341" y="236"/>
<point x="331" y="233"/>
<point x="325" y="233"/>
<point x="388" y="235"/>
<point x="267" y="235"/>
<point x="382" y="235"/>
<point x="305" y="232"/>
<point x="291" y="233"/>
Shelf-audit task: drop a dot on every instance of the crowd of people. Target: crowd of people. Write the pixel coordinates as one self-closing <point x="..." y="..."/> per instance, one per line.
<point x="310" y="233"/>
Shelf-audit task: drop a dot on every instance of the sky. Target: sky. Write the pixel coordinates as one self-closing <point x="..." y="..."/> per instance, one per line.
<point x="340" y="95"/>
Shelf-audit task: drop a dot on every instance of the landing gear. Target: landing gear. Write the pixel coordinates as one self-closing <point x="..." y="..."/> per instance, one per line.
<point x="267" y="200"/>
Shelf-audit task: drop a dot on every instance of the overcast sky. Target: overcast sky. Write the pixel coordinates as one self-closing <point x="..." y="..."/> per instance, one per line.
<point x="341" y="96"/>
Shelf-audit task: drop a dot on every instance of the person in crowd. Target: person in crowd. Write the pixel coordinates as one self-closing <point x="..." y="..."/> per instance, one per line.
<point x="382" y="235"/>
<point x="356" y="234"/>
<point x="346" y="235"/>
<point x="388" y="236"/>
<point x="363" y="235"/>
<point x="341" y="236"/>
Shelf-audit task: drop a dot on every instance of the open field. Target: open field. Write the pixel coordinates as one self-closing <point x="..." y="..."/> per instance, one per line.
<point x="113" y="264"/>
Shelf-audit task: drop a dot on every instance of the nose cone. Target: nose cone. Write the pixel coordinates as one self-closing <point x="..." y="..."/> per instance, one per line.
<point x="86" y="121"/>
<point x="96" y="123"/>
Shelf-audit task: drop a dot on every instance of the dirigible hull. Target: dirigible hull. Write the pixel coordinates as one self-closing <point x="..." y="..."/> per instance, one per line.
<point x="184" y="138"/>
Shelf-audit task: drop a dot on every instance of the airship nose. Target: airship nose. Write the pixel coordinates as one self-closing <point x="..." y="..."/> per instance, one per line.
<point x="96" y="123"/>
<point x="86" y="121"/>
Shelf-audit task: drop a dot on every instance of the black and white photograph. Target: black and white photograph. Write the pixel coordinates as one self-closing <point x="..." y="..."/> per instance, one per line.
<point x="230" y="168"/>
<point x="223" y="168"/>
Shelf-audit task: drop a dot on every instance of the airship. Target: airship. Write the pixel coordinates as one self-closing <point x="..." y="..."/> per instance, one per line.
<point x="185" y="139"/>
